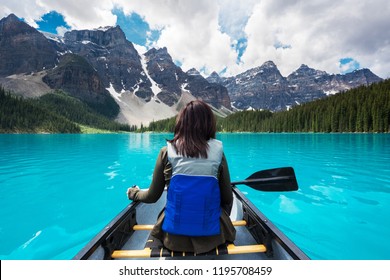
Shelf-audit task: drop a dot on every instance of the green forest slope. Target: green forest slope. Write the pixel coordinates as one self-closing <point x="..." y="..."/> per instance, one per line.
<point x="51" y="113"/>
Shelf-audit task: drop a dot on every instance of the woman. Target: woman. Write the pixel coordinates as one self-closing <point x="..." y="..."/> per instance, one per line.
<point x="199" y="199"/>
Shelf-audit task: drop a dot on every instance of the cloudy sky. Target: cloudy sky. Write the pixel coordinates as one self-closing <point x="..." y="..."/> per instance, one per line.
<point x="230" y="36"/>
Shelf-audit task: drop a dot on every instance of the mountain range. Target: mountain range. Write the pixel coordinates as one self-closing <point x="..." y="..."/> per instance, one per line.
<point x="103" y="69"/>
<point x="264" y="87"/>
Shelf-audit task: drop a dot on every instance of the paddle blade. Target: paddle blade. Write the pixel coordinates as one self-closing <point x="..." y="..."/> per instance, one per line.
<point x="272" y="180"/>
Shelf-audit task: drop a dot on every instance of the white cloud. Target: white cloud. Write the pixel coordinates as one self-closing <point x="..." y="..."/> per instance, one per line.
<point x="233" y="16"/>
<point x="319" y="32"/>
<point x="61" y="30"/>
<point x="83" y="14"/>
<point x="198" y="45"/>
<point x="348" y="65"/>
<point x="189" y="30"/>
<point x="79" y="14"/>
<point x="29" y="10"/>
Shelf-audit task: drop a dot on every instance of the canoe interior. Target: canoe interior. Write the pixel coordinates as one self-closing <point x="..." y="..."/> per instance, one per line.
<point x="118" y="234"/>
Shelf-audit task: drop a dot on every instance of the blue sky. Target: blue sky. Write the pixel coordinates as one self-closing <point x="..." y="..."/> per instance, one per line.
<point x="135" y="28"/>
<point x="348" y="64"/>
<point x="229" y="36"/>
<point x="51" y="21"/>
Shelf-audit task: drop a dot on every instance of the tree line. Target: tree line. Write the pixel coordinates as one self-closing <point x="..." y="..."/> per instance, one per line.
<point x="79" y="112"/>
<point x="363" y="109"/>
<point x="54" y="112"/>
<point x="20" y="115"/>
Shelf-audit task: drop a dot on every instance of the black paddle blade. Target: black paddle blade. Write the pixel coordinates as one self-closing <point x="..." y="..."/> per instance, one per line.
<point x="272" y="180"/>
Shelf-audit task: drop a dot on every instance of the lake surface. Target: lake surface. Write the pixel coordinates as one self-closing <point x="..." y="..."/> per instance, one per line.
<point x="58" y="191"/>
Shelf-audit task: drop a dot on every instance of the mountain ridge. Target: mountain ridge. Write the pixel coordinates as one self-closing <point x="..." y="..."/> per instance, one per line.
<point x="264" y="87"/>
<point x="117" y="72"/>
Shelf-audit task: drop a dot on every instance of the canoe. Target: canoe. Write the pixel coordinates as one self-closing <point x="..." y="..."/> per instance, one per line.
<point x="127" y="236"/>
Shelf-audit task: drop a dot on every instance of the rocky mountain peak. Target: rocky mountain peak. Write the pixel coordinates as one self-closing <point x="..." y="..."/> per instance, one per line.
<point x="158" y="54"/>
<point x="108" y="36"/>
<point x="159" y="51"/>
<point x="269" y="64"/>
<point x="269" y="67"/>
<point x="214" y="75"/>
<point x="11" y="18"/>
<point x="193" y="72"/>
<point x="305" y="71"/>
<point x="23" y="49"/>
<point x="266" y="73"/>
<point x="359" y="77"/>
<point x="12" y="24"/>
<point x="214" y="78"/>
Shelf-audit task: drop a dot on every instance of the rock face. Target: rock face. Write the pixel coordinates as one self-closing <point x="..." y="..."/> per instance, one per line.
<point x="152" y="75"/>
<point x="77" y="77"/>
<point x="172" y="81"/>
<point x="261" y="87"/>
<point x="166" y="75"/>
<point x="307" y="84"/>
<point x="23" y="49"/>
<point x="212" y="93"/>
<point x="304" y="84"/>
<point x="114" y="58"/>
<point x="265" y="88"/>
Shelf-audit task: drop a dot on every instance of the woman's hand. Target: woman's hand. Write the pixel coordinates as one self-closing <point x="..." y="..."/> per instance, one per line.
<point x="131" y="192"/>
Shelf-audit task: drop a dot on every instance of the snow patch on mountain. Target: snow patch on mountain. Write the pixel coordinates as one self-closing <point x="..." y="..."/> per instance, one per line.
<point x="103" y="28"/>
<point x="184" y="87"/>
<point x="53" y="37"/>
<point x="331" y="92"/>
<point x="155" y="88"/>
<point x="113" y="93"/>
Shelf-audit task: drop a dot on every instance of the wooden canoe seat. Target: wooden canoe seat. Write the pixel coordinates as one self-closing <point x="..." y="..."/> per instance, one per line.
<point x="155" y="249"/>
<point x="225" y="249"/>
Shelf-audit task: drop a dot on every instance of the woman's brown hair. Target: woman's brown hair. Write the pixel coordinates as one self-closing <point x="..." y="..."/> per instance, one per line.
<point x="195" y="125"/>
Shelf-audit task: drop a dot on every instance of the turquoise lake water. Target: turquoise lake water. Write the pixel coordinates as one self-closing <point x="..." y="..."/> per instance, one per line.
<point x="58" y="191"/>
